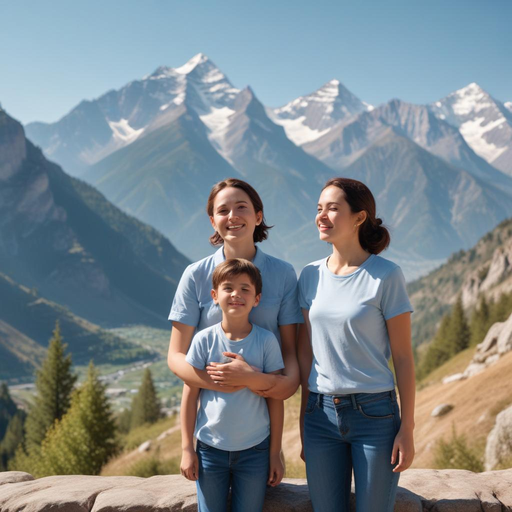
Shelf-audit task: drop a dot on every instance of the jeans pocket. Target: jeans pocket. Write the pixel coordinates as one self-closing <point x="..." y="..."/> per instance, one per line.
<point x="202" y="446"/>
<point x="263" y="446"/>
<point x="377" y="410"/>
<point x="311" y="403"/>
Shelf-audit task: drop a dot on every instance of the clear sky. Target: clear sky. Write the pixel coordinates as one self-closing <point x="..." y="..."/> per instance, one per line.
<point x="55" y="53"/>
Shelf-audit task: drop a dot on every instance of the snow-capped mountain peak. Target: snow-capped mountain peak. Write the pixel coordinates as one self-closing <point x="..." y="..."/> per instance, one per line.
<point x="508" y="105"/>
<point x="195" y="61"/>
<point x="307" y="118"/>
<point x="483" y="122"/>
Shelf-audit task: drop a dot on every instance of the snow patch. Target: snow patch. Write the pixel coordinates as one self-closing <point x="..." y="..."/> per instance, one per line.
<point x="298" y="132"/>
<point x="123" y="132"/>
<point x="473" y="132"/>
<point x="508" y="105"/>
<point x="200" y="58"/>
<point x="217" y="122"/>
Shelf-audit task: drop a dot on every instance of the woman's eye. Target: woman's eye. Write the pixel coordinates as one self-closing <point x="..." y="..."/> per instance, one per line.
<point x="333" y="209"/>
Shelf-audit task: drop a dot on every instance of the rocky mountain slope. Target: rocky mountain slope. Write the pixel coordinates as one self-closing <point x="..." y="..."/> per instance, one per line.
<point x="63" y="238"/>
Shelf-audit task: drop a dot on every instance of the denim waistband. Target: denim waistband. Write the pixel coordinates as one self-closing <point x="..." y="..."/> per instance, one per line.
<point x="353" y="398"/>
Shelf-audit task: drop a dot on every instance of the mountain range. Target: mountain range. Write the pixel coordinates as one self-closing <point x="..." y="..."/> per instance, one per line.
<point x="155" y="146"/>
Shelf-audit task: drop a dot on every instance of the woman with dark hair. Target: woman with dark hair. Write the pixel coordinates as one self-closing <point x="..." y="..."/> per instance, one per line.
<point x="357" y="314"/>
<point x="236" y="213"/>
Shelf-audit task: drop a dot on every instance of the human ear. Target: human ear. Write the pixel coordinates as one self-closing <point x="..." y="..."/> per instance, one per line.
<point x="212" y="221"/>
<point x="213" y="293"/>
<point x="259" y="218"/>
<point x="257" y="300"/>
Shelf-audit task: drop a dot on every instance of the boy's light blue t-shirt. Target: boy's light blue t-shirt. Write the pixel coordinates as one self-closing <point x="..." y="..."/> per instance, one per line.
<point x="233" y="421"/>
<point x="348" y="324"/>
<point x="279" y="305"/>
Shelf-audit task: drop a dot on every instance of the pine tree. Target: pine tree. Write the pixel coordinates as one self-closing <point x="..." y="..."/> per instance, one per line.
<point x="54" y="384"/>
<point x="145" y="404"/>
<point x="13" y="438"/>
<point x="439" y="350"/>
<point x="7" y="408"/>
<point x="458" y="334"/>
<point x="480" y="322"/>
<point x="85" y="438"/>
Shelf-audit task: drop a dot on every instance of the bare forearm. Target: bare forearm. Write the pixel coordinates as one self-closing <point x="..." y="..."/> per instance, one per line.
<point x="404" y="369"/>
<point x="188" y="413"/>
<point x="188" y="374"/>
<point x="276" y="414"/>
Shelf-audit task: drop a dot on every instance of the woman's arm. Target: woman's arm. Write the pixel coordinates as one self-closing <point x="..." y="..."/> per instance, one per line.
<point x="181" y="336"/>
<point x="276" y="414"/>
<point x="238" y="372"/>
<point x="305" y="357"/>
<point x="399" y="330"/>
<point x="189" y="463"/>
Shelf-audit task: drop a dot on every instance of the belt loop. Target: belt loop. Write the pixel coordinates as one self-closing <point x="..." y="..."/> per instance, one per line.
<point x="353" y="398"/>
<point x="319" y="400"/>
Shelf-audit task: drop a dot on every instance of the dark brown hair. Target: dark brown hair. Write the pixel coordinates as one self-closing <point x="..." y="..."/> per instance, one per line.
<point x="373" y="236"/>
<point x="236" y="267"/>
<point x="261" y="231"/>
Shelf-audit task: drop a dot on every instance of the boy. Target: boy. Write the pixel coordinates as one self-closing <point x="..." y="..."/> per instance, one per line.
<point x="232" y="429"/>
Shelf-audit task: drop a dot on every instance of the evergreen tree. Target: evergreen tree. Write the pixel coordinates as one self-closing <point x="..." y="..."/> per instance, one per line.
<point x="7" y="408"/>
<point x="458" y="334"/>
<point x="85" y="438"/>
<point x="145" y="404"/>
<point x="439" y="350"/>
<point x="480" y="322"/>
<point x="13" y="438"/>
<point x="54" y="384"/>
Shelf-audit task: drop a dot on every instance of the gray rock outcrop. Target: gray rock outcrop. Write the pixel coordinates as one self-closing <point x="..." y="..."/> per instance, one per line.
<point x="499" y="441"/>
<point x="420" y="490"/>
<point x="497" y="342"/>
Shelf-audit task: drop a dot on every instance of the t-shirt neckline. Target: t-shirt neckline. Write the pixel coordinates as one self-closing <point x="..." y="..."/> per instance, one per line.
<point x="239" y="342"/>
<point x="358" y="269"/>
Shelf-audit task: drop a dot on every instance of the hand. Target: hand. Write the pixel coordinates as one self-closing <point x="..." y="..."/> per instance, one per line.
<point x="276" y="472"/>
<point x="189" y="464"/>
<point x="403" y="449"/>
<point x="234" y="373"/>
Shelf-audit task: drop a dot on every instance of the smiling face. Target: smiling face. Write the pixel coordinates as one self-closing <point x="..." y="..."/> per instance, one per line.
<point x="334" y="220"/>
<point x="234" y="217"/>
<point x="236" y="296"/>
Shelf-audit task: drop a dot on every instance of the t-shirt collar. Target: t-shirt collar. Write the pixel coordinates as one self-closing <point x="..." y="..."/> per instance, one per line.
<point x="259" y="257"/>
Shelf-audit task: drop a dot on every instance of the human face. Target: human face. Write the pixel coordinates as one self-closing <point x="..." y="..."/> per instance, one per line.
<point x="236" y="296"/>
<point x="233" y="216"/>
<point x="334" y="220"/>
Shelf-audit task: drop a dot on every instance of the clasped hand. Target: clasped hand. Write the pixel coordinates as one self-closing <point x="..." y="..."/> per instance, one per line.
<point x="235" y="373"/>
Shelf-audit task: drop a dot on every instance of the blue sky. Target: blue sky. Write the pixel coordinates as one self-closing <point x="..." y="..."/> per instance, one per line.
<point x="55" y="53"/>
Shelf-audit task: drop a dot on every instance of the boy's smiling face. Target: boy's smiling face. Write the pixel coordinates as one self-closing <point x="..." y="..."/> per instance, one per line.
<point x="236" y="296"/>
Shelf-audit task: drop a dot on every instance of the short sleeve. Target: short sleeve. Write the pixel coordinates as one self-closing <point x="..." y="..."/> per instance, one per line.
<point x="197" y="354"/>
<point x="304" y="303"/>
<point x="185" y="306"/>
<point x="272" y="359"/>
<point x="395" y="300"/>
<point x="289" y="311"/>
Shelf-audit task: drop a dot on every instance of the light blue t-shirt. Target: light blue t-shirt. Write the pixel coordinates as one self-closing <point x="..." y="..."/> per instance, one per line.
<point x="233" y="421"/>
<point x="279" y="305"/>
<point x="348" y="324"/>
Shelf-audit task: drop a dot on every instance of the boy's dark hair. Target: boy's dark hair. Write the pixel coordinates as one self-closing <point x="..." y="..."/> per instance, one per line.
<point x="236" y="267"/>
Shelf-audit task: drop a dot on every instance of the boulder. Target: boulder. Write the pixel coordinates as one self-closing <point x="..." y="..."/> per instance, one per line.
<point x="499" y="441"/>
<point x="441" y="410"/>
<point x="420" y="490"/>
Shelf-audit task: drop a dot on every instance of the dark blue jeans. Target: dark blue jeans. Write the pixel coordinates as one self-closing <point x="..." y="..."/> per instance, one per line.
<point x="348" y="432"/>
<point x="245" y="471"/>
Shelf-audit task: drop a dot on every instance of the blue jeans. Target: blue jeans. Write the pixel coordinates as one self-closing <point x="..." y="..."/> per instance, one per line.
<point x="245" y="471"/>
<point x="348" y="432"/>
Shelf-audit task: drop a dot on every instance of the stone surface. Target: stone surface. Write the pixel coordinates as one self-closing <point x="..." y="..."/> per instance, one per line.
<point x="441" y="410"/>
<point x="145" y="446"/>
<point x="497" y="342"/>
<point x="420" y="490"/>
<point x="499" y="440"/>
